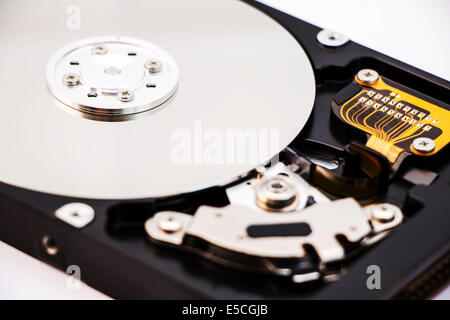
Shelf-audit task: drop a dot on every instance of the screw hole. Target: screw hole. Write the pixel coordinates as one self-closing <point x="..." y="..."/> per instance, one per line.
<point x="283" y="174"/>
<point x="276" y="185"/>
<point x="50" y="246"/>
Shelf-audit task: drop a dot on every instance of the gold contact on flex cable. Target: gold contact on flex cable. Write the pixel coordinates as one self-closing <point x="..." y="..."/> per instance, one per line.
<point x="395" y="120"/>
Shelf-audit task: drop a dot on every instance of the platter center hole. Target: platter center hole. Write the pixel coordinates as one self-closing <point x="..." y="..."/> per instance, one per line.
<point x="113" y="71"/>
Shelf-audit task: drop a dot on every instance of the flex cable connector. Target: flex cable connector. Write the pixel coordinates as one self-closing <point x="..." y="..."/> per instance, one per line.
<point x="397" y="121"/>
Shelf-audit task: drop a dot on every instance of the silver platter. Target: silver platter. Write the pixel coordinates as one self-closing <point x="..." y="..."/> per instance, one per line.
<point x="239" y="71"/>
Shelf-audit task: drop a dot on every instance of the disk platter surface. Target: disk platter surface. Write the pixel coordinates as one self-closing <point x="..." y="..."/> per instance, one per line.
<point x="238" y="70"/>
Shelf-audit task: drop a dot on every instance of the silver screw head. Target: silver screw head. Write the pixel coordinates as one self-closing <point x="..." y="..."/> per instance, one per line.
<point x="331" y="38"/>
<point x="99" y="50"/>
<point x="384" y="212"/>
<point x="125" y="95"/>
<point x="153" y="65"/>
<point x="424" y="145"/>
<point x="275" y="193"/>
<point x="368" y="76"/>
<point x="260" y="170"/>
<point x="170" y="224"/>
<point x="71" y="79"/>
<point x="277" y="185"/>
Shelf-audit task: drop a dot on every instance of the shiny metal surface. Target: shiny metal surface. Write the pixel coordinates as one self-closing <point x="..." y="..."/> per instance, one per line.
<point x="368" y="76"/>
<point x="116" y="70"/>
<point x="424" y="144"/>
<point x="331" y="38"/>
<point x="383" y="217"/>
<point x="276" y="193"/>
<point x="227" y="227"/>
<point x="222" y="49"/>
<point x="245" y="193"/>
<point x="77" y="214"/>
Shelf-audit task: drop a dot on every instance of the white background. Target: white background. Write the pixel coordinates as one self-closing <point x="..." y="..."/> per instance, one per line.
<point x="413" y="31"/>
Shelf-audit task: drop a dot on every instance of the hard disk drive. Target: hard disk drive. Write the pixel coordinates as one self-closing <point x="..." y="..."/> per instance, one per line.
<point x="219" y="149"/>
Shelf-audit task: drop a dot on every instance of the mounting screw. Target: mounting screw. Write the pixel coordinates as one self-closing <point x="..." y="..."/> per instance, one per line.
<point x="276" y="193"/>
<point x="424" y="145"/>
<point x="170" y="224"/>
<point x="260" y="170"/>
<point x="77" y="214"/>
<point x="71" y="79"/>
<point x="277" y="186"/>
<point x="125" y="95"/>
<point x="330" y="38"/>
<point x="99" y="50"/>
<point x="384" y="212"/>
<point x="153" y="65"/>
<point x="368" y="76"/>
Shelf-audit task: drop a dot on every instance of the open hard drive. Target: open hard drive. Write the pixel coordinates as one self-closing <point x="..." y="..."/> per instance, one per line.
<point x="220" y="149"/>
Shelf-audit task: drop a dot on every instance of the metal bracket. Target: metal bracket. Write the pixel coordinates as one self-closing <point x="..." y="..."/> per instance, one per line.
<point x="245" y="236"/>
